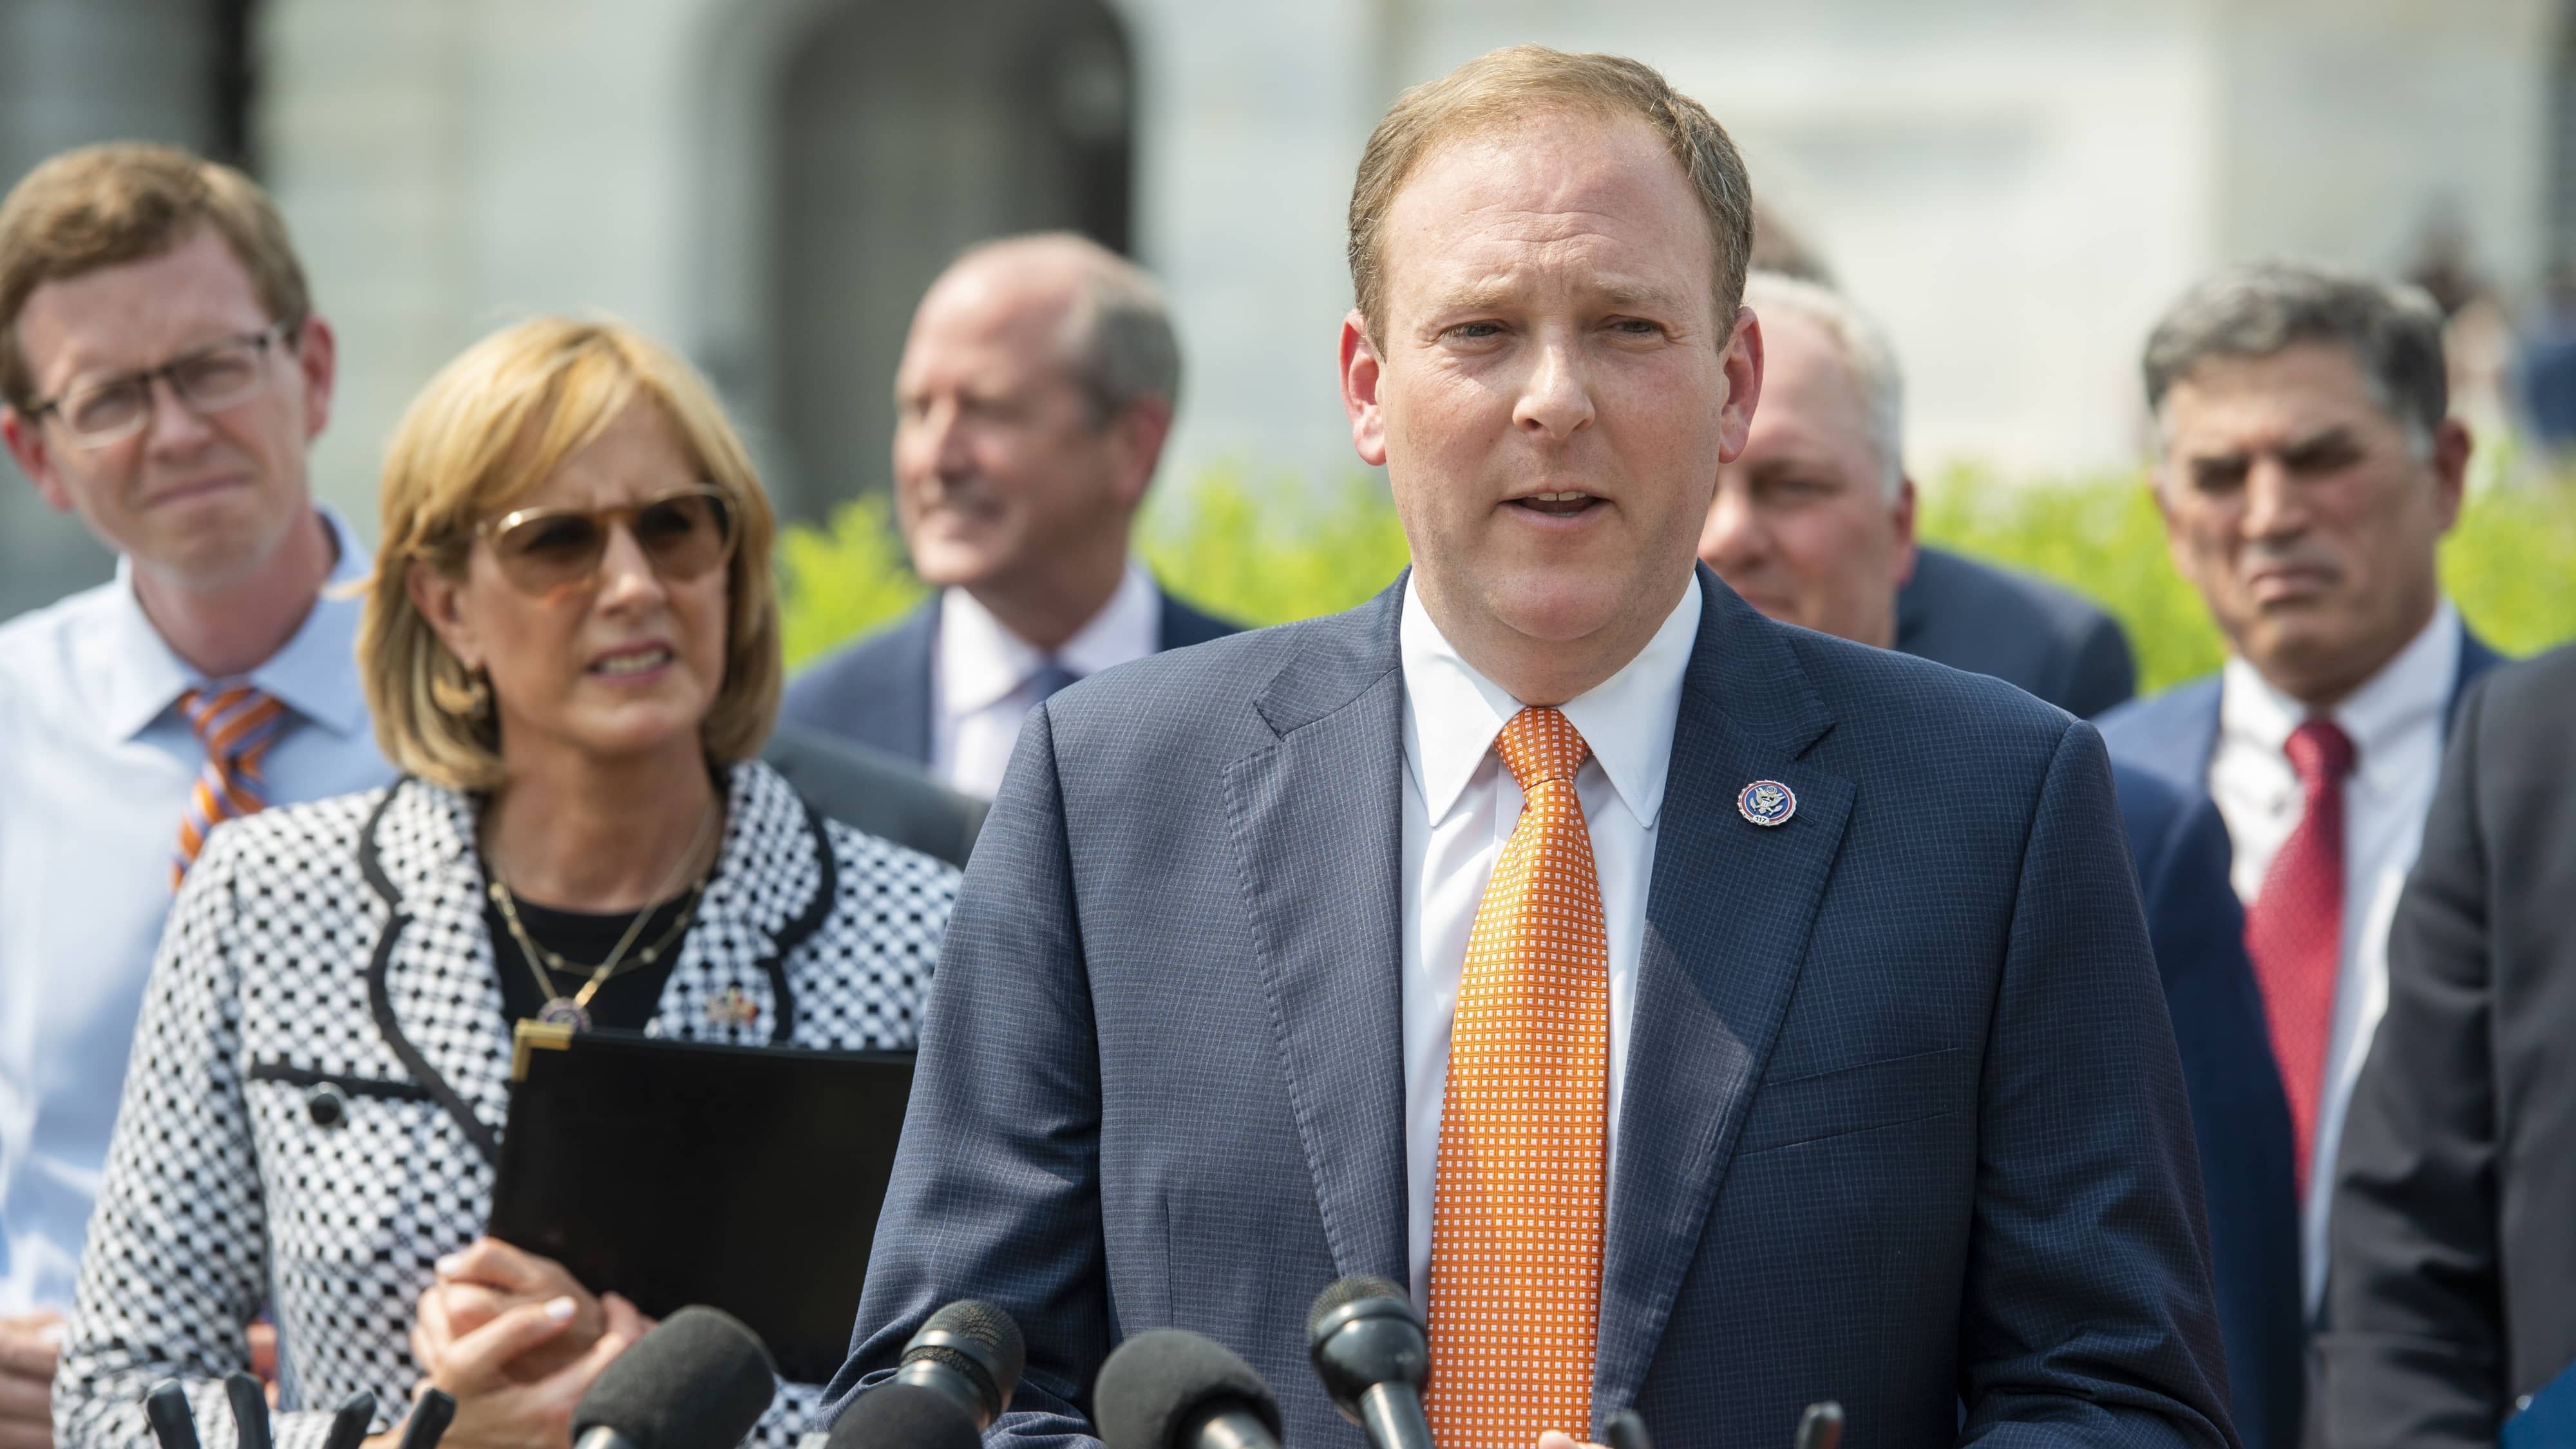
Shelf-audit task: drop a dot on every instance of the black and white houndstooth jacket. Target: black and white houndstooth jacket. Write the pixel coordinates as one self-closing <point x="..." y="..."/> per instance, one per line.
<point x="344" y="941"/>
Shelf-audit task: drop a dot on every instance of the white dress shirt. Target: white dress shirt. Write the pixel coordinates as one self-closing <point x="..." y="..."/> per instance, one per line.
<point x="96" y="763"/>
<point x="1460" y="804"/>
<point x="981" y="672"/>
<point x="2396" y="724"/>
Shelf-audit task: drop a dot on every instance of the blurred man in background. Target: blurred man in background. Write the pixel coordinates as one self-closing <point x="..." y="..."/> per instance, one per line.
<point x="2452" y="1290"/>
<point x="1034" y="396"/>
<point x="2309" y="469"/>
<point x="163" y="372"/>
<point x="1813" y="524"/>
<point x="1954" y="610"/>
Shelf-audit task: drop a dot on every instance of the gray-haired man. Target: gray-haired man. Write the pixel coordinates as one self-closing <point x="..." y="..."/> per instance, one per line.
<point x="2309" y="469"/>
<point x="1036" y="389"/>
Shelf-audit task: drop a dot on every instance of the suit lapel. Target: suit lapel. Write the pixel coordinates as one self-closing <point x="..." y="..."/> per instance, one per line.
<point x="431" y="986"/>
<point x="1728" y="916"/>
<point x="1318" y="836"/>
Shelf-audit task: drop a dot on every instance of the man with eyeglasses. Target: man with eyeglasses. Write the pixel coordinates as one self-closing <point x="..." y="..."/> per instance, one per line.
<point x="162" y="373"/>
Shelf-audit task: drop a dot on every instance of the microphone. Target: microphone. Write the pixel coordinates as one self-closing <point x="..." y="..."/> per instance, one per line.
<point x="1625" y="1431"/>
<point x="1169" y="1388"/>
<point x="430" y="1415"/>
<point x="972" y="1352"/>
<point x="699" y="1381"/>
<point x="250" y="1410"/>
<point x="349" y="1422"/>
<point x="1371" y="1351"/>
<point x="166" y="1408"/>
<point x="1821" y="1427"/>
<point x="905" y="1416"/>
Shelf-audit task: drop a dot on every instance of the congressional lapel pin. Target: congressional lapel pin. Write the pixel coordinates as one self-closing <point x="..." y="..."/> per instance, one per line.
<point x="733" y="1006"/>
<point x="1767" y="802"/>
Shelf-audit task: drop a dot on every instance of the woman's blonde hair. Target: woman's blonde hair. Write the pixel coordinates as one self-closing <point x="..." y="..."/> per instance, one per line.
<point x="486" y="433"/>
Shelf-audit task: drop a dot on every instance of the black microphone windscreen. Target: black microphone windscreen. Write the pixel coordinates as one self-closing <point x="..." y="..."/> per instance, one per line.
<point x="1350" y="1290"/>
<point x="173" y="1422"/>
<point x="250" y="1409"/>
<point x="905" y="1416"/>
<point x="349" y="1423"/>
<point x="1158" y="1381"/>
<point x="699" y="1381"/>
<point x="980" y="1322"/>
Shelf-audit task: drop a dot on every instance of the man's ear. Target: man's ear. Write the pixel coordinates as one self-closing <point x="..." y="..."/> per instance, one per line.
<point x="1741" y="363"/>
<point x="26" y="439"/>
<point x="1136" y="438"/>
<point x="1904" y="519"/>
<point x="317" y="371"/>
<point x="2452" y="445"/>
<point x="1363" y="373"/>
<point x="441" y="601"/>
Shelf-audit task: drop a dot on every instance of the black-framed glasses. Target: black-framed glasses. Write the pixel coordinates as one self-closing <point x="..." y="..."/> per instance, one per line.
<point x="683" y="534"/>
<point x="208" y="379"/>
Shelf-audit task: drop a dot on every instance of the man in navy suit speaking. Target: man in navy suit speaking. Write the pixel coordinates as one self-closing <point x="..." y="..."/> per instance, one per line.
<point x="1704" y="1016"/>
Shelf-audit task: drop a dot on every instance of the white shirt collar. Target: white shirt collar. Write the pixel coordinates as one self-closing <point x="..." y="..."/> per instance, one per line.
<point x="1453" y="713"/>
<point x="2411" y="690"/>
<point x="981" y="662"/>
<point x="313" y="674"/>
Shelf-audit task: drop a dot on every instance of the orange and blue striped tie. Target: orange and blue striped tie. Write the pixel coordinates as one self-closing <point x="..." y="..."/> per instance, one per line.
<point x="238" y="725"/>
<point x="1516" y="1202"/>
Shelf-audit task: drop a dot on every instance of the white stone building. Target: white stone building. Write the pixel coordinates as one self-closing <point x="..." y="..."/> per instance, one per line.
<point x="2017" y="186"/>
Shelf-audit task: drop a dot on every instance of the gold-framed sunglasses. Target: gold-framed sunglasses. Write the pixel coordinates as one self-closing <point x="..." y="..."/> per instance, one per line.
<point x="683" y="534"/>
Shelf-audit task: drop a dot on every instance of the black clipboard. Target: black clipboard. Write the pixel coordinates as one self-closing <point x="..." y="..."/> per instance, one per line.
<point x="747" y="1178"/>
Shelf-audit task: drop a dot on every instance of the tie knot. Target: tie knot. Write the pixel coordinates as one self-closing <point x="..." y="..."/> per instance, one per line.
<point x="2320" y="751"/>
<point x="1539" y="744"/>
<point x="232" y="721"/>
<point x="1050" y="677"/>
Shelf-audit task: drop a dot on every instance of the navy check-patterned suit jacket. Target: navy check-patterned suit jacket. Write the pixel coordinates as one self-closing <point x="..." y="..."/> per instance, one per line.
<point x="1902" y="1127"/>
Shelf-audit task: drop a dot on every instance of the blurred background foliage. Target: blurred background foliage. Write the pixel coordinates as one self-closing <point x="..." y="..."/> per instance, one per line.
<point x="1266" y="549"/>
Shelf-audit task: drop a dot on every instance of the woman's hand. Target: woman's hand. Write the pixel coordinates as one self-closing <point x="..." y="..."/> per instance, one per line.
<point x="489" y="1278"/>
<point x="495" y="1408"/>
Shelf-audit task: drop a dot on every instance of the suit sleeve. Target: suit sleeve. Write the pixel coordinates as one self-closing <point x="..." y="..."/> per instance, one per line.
<point x="995" y="1193"/>
<point x="177" y="1260"/>
<point x="2086" y="1315"/>
<point x="2415" y="1352"/>
<point x="2239" y="1117"/>
<point x="2103" y="674"/>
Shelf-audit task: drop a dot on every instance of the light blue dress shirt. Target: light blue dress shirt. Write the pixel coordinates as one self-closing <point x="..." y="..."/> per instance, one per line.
<point x="95" y="767"/>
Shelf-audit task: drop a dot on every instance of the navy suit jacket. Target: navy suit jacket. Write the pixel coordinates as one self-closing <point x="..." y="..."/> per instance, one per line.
<point x="877" y="691"/>
<point x="2239" y="1113"/>
<point x="2175" y="733"/>
<point x="1903" y="1122"/>
<point x="2050" y="641"/>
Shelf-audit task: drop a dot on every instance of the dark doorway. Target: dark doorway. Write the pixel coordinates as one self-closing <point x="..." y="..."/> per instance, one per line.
<point x="905" y="133"/>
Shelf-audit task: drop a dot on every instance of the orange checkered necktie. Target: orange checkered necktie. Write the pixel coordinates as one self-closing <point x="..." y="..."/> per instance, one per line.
<point x="238" y="725"/>
<point x="1516" y="1204"/>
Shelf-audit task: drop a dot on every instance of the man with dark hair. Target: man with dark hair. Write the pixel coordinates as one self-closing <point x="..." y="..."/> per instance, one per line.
<point x="2308" y="469"/>
<point x="1035" y="393"/>
<point x="2451" y="1295"/>
<point x="1704" y="1016"/>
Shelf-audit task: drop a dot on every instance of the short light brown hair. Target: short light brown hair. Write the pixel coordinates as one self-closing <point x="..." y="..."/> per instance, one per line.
<point x="100" y="206"/>
<point x="488" y="431"/>
<point x="1501" y="88"/>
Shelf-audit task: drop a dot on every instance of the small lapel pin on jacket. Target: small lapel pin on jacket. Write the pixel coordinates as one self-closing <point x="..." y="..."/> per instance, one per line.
<point x="733" y="1006"/>
<point x="1767" y="802"/>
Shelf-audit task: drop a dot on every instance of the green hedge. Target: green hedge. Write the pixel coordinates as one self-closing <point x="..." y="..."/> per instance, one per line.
<point x="1270" y="548"/>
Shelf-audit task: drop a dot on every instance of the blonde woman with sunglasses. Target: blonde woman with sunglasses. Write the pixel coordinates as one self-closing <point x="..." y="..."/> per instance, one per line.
<point x="570" y="648"/>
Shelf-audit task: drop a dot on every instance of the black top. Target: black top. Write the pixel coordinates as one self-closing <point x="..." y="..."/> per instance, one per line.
<point x="625" y="1002"/>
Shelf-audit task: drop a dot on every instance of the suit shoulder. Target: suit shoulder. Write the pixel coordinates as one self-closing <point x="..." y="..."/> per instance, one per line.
<point x="2150" y="717"/>
<point x="2530" y="699"/>
<point x="313" y="835"/>
<point x="1185" y="625"/>
<point x="874" y="653"/>
<point x="1977" y="586"/>
<point x="1909" y="693"/>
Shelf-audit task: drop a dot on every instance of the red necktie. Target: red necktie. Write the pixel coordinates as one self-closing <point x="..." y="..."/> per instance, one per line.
<point x="2294" y="930"/>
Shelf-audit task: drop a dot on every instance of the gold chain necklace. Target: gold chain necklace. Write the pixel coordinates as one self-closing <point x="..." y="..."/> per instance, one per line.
<point x="575" y="1010"/>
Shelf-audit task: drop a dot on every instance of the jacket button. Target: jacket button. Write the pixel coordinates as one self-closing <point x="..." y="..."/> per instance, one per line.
<point x="326" y="1104"/>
